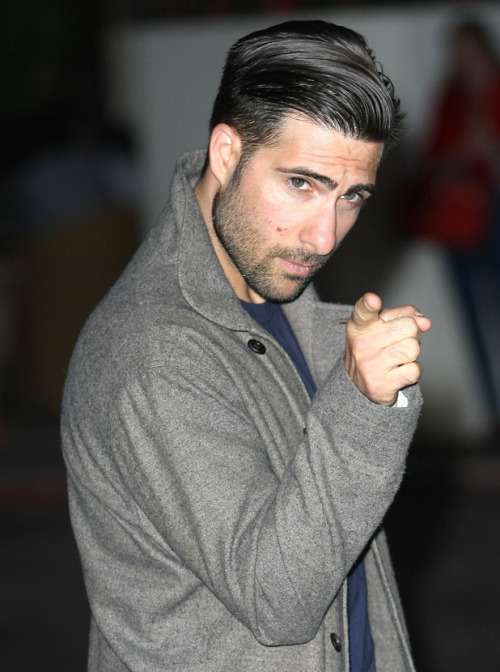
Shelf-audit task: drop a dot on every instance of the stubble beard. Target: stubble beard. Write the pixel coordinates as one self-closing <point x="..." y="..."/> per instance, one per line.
<point x="239" y="234"/>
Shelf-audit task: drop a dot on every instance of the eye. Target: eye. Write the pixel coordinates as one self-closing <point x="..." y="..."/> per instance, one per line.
<point x="299" y="183"/>
<point x="354" y="198"/>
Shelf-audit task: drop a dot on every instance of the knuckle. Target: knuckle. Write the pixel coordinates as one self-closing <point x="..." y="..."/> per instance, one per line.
<point x="411" y="326"/>
<point x="397" y="328"/>
<point x="412" y="373"/>
<point x="406" y="350"/>
<point x="404" y="328"/>
<point x="413" y="349"/>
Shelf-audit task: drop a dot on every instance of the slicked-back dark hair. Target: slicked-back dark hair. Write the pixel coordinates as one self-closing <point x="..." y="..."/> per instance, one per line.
<point x="318" y="69"/>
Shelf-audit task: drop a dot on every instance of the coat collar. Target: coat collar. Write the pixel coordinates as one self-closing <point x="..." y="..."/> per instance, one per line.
<point x="206" y="289"/>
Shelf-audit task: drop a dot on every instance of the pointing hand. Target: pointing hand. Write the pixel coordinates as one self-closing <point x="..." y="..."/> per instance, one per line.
<point x="382" y="347"/>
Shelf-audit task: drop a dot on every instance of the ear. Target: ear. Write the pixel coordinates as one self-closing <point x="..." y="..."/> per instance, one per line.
<point x="224" y="152"/>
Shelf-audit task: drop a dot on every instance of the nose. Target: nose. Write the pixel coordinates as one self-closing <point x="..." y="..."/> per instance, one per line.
<point x="318" y="235"/>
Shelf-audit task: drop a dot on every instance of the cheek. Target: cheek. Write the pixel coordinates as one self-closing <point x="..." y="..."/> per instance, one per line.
<point x="276" y="215"/>
<point x="285" y="218"/>
<point x="274" y="219"/>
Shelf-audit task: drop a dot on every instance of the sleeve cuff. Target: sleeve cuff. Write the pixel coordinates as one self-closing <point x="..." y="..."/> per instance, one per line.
<point x="401" y="401"/>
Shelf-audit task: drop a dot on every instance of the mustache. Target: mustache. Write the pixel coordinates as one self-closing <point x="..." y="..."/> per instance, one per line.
<point x="300" y="256"/>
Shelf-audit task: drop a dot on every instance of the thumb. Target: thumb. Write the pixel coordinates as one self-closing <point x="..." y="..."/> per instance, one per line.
<point x="366" y="311"/>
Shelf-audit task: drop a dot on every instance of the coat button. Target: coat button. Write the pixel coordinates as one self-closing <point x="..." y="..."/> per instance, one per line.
<point x="256" y="346"/>
<point x="337" y="644"/>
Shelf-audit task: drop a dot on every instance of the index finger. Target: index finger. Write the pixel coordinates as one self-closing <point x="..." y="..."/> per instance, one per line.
<point x="423" y="322"/>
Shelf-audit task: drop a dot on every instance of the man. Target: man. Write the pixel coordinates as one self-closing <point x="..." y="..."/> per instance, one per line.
<point x="226" y="521"/>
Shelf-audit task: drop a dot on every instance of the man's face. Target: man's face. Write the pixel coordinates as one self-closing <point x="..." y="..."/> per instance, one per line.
<point x="284" y="212"/>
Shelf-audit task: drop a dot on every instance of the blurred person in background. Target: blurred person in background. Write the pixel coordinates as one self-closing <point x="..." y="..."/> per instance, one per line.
<point x="458" y="199"/>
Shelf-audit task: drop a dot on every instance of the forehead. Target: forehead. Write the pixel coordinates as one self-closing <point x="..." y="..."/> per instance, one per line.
<point x="301" y="142"/>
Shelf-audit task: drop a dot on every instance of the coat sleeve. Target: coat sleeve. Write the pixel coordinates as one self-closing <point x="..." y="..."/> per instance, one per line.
<point x="185" y="456"/>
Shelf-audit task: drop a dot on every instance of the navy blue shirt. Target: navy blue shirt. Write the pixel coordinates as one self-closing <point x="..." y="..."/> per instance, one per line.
<point x="270" y="316"/>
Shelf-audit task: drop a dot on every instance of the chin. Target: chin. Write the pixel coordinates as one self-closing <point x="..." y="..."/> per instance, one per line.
<point x="282" y="295"/>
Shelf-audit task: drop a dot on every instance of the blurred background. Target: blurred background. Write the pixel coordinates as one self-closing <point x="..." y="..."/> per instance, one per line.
<point x="99" y="99"/>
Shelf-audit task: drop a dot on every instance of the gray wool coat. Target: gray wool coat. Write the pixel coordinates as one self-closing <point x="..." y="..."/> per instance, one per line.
<point x="216" y="508"/>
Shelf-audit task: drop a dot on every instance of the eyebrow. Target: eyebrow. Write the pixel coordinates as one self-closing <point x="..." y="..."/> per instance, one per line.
<point x="356" y="188"/>
<point x="305" y="172"/>
<point x="327" y="181"/>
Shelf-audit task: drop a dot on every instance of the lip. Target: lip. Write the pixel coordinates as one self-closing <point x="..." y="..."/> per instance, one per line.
<point x="296" y="269"/>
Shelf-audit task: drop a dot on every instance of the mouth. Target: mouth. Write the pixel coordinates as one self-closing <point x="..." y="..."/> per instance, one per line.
<point x="296" y="269"/>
